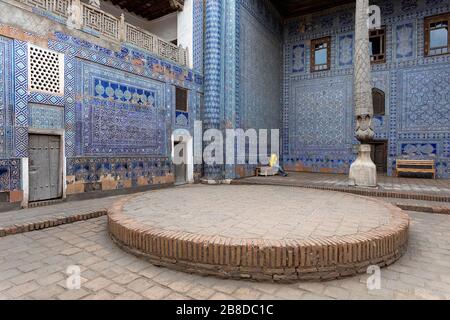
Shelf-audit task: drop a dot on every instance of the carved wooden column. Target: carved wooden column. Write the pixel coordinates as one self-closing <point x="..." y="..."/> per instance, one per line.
<point x="363" y="171"/>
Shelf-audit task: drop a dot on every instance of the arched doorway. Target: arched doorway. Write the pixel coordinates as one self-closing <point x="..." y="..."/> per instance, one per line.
<point x="183" y="156"/>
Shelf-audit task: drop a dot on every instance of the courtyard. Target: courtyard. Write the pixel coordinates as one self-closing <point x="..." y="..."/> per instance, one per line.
<point x="39" y="245"/>
<point x="116" y="181"/>
<point x="33" y="265"/>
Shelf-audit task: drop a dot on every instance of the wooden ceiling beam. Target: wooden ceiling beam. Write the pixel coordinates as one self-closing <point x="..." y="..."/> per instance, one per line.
<point x="150" y="9"/>
<point x="294" y="8"/>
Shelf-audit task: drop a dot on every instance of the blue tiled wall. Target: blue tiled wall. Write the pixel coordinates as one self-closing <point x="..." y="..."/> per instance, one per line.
<point x="318" y="107"/>
<point x="198" y="35"/>
<point x="9" y="165"/>
<point x="5" y="93"/>
<point x="118" y="112"/>
<point x="46" y="117"/>
<point x="259" y="69"/>
<point x="122" y="106"/>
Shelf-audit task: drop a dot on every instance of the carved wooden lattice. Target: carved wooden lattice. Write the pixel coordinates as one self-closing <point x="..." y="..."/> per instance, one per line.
<point x="140" y="38"/>
<point x="41" y="4"/>
<point x="112" y="27"/>
<point x="100" y="21"/>
<point x="58" y="7"/>
<point x="61" y="7"/>
<point x="168" y="50"/>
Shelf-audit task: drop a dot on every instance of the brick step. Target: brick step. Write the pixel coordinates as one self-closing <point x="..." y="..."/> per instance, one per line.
<point x="358" y="191"/>
<point x="49" y="223"/>
<point x="421" y="206"/>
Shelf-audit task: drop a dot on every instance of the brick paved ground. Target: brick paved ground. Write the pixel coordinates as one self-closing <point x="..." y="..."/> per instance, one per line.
<point x="33" y="265"/>
<point x="67" y="209"/>
<point x="390" y="184"/>
<point x="260" y="232"/>
<point x="64" y="209"/>
<point x="257" y="212"/>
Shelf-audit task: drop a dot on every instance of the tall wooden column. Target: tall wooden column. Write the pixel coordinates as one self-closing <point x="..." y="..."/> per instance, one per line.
<point x="363" y="171"/>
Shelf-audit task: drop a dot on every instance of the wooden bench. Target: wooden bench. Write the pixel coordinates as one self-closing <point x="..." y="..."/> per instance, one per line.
<point x="416" y="166"/>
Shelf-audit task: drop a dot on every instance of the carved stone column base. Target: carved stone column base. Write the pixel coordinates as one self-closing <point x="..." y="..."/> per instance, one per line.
<point x="363" y="172"/>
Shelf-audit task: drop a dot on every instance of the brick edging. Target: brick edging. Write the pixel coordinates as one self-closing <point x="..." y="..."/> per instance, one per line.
<point x="427" y="209"/>
<point x="263" y="260"/>
<point x="49" y="223"/>
<point x="361" y="192"/>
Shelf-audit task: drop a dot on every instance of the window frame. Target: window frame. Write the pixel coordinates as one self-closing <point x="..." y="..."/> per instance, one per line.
<point x="177" y="89"/>
<point x="314" y="42"/>
<point x="383" y="42"/>
<point x="427" y="33"/>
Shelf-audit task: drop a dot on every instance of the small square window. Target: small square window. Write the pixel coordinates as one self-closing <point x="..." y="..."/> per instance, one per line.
<point x="437" y="35"/>
<point x="377" y="44"/>
<point x="320" y="54"/>
<point x="181" y="100"/>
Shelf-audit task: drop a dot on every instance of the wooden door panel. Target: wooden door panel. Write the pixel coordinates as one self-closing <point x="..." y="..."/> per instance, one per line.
<point x="379" y="156"/>
<point x="55" y="174"/>
<point x="181" y="169"/>
<point x="180" y="173"/>
<point x="44" y="168"/>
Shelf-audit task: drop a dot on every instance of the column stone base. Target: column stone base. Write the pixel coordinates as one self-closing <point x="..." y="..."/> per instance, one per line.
<point x="363" y="172"/>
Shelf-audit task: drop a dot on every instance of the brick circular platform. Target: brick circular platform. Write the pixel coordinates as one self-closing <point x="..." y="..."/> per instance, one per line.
<point x="260" y="232"/>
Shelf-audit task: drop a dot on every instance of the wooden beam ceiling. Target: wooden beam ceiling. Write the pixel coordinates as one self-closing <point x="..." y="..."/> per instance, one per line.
<point x="150" y="9"/>
<point x="294" y="8"/>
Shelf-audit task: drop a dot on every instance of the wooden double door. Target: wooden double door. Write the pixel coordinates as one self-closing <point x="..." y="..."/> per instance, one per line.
<point x="45" y="175"/>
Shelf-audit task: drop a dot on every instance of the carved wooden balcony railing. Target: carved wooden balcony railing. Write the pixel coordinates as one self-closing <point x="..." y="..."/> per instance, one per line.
<point x="84" y="16"/>
<point x="97" y="20"/>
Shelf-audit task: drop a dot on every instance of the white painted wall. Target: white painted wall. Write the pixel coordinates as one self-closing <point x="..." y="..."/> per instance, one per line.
<point x="24" y="173"/>
<point x="185" y="32"/>
<point x="164" y="27"/>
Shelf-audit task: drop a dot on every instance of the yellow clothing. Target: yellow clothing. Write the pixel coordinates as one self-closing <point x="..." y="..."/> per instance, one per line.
<point x="273" y="160"/>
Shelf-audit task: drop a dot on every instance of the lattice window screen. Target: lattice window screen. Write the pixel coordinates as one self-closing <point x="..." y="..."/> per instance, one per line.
<point x="46" y="70"/>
